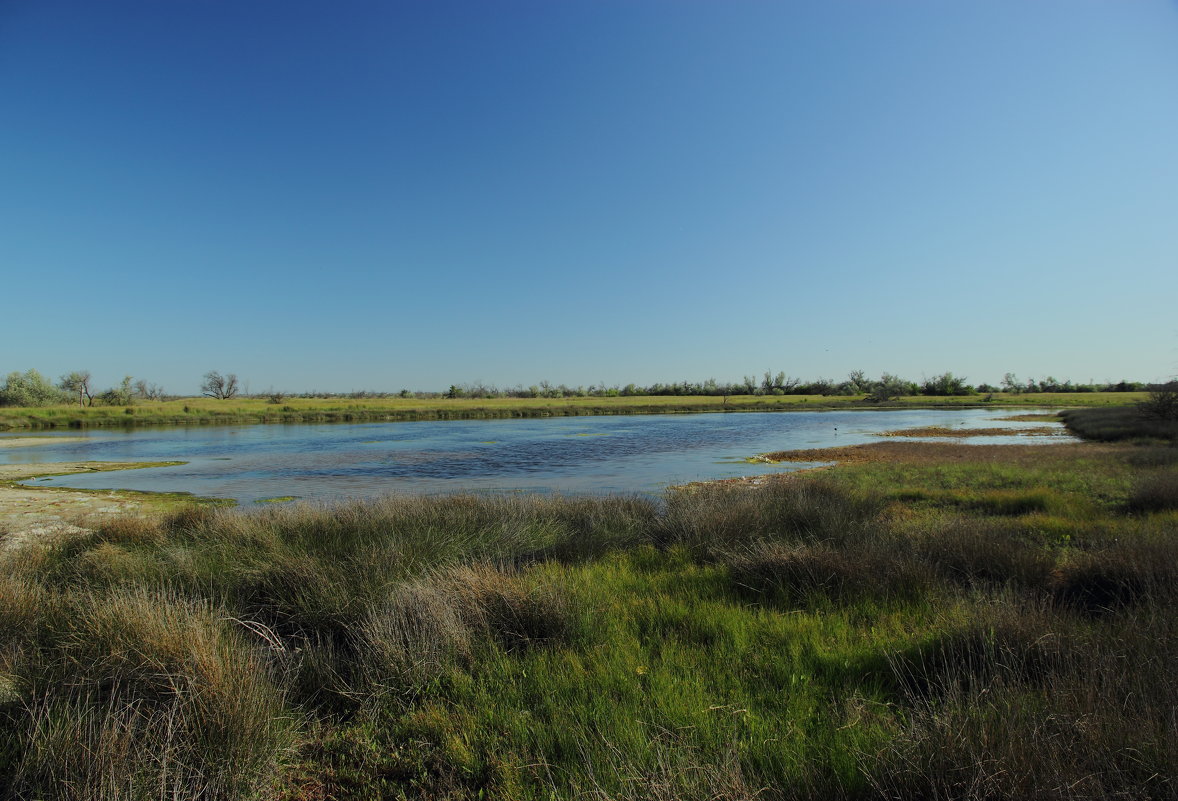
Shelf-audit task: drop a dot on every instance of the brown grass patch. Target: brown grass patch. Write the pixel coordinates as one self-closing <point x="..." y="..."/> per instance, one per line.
<point x="941" y="431"/>
<point x="933" y="452"/>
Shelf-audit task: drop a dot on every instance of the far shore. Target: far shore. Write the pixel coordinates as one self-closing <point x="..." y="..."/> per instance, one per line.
<point x="207" y="411"/>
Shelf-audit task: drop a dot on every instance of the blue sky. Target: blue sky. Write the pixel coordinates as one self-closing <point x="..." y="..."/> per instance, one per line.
<point x="377" y="195"/>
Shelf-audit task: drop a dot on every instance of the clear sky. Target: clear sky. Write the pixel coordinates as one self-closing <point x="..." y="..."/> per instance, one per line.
<point x="377" y="195"/>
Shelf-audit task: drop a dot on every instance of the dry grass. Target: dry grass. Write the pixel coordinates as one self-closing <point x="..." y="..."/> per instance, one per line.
<point x="947" y="453"/>
<point x="1031" y="418"/>
<point x="942" y="431"/>
<point x="136" y="694"/>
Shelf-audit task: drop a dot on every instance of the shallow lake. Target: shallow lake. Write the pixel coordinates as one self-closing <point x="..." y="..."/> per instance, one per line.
<point x="616" y="454"/>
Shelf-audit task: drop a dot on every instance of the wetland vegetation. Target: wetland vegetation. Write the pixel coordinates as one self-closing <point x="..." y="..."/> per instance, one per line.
<point x="927" y="620"/>
<point x="206" y="411"/>
<point x="30" y="400"/>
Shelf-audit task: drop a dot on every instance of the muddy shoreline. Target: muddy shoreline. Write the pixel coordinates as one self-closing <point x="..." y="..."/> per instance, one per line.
<point x="25" y="508"/>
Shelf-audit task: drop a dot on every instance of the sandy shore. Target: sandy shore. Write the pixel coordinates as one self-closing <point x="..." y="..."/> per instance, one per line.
<point x="42" y="510"/>
<point x="28" y="442"/>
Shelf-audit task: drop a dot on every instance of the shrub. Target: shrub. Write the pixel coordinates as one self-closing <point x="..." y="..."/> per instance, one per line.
<point x="30" y="388"/>
<point x="946" y="384"/>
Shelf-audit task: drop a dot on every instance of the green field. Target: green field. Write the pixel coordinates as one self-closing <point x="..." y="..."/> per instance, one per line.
<point x="204" y="411"/>
<point x="947" y="621"/>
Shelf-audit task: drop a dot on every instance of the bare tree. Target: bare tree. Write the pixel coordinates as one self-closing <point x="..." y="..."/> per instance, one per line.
<point x="1162" y="402"/>
<point x="218" y="386"/>
<point x="149" y="391"/>
<point x="78" y="382"/>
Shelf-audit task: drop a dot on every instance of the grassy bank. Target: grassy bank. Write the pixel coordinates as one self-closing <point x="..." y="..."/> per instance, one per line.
<point x="952" y="622"/>
<point x="205" y="411"/>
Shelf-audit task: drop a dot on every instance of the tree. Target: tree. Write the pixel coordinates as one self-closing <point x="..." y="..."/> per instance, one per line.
<point x="118" y="396"/>
<point x="946" y="384"/>
<point x="149" y="391"/>
<point x="889" y="387"/>
<point x="78" y="383"/>
<point x="218" y="386"/>
<point x="1162" y="402"/>
<point x="29" y="388"/>
<point x="1010" y="384"/>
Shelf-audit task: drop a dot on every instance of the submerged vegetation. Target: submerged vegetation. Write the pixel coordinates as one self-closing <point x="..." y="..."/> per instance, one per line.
<point x="947" y="622"/>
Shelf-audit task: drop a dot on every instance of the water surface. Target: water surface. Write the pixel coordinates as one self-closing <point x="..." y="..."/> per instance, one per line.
<point x="615" y="454"/>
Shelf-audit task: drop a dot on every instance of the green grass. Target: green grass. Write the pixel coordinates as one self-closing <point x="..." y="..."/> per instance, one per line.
<point x="207" y="411"/>
<point x="944" y="628"/>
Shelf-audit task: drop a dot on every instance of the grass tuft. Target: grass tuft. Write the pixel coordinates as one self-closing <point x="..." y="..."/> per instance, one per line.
<point x="1155" y="493"/>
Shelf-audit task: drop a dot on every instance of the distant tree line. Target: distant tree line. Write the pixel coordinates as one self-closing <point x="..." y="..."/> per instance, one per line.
<point x="30" y="388"/>
<point x="885" y="387"/>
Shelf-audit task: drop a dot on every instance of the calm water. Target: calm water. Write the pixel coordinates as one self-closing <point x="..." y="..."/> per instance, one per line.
<point x="565" y="454"/>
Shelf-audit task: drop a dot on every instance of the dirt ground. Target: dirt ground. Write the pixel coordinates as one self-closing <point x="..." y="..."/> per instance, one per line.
<point x="901" y="451"/>
<point x="53" y="511"/>
<point x="941" y="431"/>
<point x="24" y="508"/>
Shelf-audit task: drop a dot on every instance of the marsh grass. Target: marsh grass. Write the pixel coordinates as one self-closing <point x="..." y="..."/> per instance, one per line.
<point x="801" y="574"/>
<point x="1024" y="703"/>
<point x="718" y="517"/>
<point x="1119" y="423"/>
<point x="132" y="693"/>
<point x="1156" y="492"/>
<point x="970" y="552"/>
<point x="950" y="624"/>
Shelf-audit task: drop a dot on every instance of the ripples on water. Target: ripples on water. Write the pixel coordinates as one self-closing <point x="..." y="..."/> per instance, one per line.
<point x="622" y="454"/>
